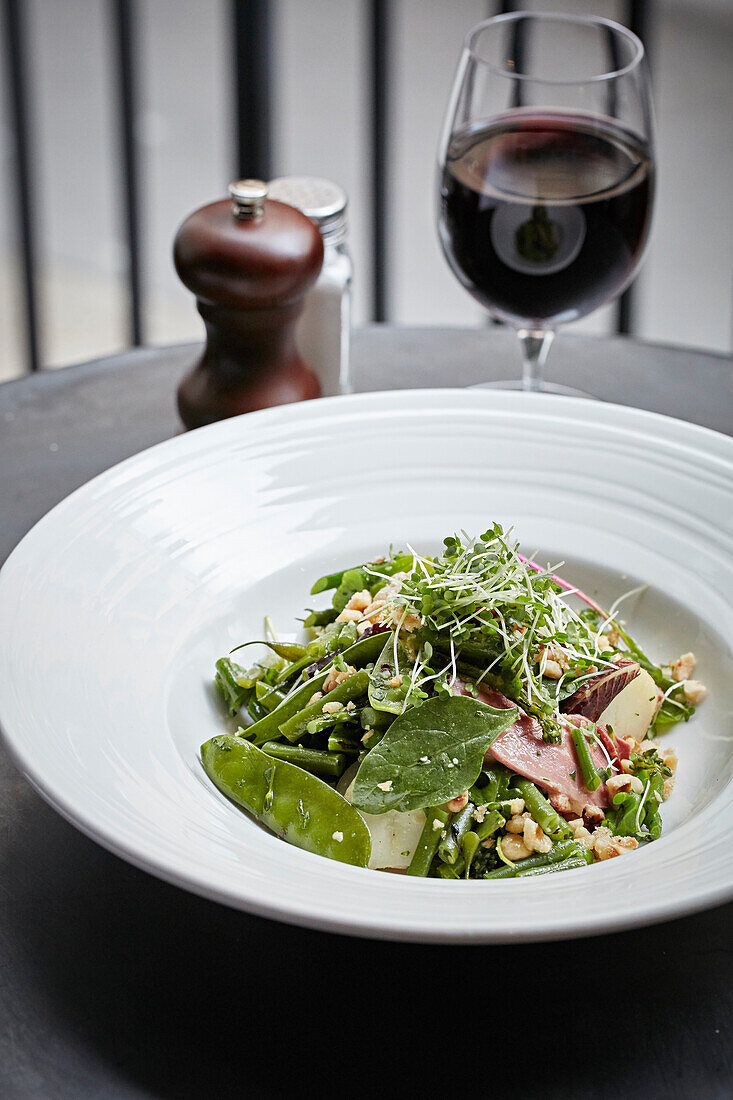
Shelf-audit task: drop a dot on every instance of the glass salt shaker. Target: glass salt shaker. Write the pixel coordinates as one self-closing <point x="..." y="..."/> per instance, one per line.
<point x="323" y="332"/>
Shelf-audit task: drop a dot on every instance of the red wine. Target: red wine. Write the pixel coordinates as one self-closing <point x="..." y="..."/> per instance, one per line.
<point x="544" y="216"/>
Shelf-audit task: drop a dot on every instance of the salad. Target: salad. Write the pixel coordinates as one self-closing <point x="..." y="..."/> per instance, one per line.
<point x="463" y="716"/>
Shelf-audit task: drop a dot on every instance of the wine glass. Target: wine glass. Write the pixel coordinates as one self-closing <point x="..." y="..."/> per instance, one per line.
<point x="546" y="172"/>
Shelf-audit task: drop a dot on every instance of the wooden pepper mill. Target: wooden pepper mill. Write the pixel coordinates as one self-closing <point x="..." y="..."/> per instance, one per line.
<point x="249" y="262"/>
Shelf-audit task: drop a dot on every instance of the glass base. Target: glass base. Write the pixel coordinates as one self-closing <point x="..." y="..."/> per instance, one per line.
<point x="544" y="387"/>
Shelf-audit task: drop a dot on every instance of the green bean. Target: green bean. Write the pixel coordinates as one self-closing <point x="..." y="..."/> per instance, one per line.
<point x="492" y="822"/>
<point x="435" y="821"/>
<point x="652" y="818"/>
<point x="268" y="696"/>
<point x="328" y="721"/>
<point x="256" y="709"/>
<point x="591" y="778"/>
<point x="338" y="742"/>
<point x="296" y="726"/>
<point x="228" y="680"/>
<point x="444" y="870"/>
<point x="371" y="738"/>
<point x="399" y="563"/>
<point x="561" y="865"/>
<point x="469" y="847"/>
<point x="320" y="618"/>
<point x="545" y="815"/>
<point x="330" y="580"/>
<point x="291" y="802"/>
<point x="459" y="866"/>
<point x="569" y="849"/>
<point x="458" y="826"/>
<point x="317" y="761"/>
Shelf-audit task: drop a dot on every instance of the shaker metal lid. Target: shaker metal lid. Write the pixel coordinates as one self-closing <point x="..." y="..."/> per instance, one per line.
<point x="319" y="199"/>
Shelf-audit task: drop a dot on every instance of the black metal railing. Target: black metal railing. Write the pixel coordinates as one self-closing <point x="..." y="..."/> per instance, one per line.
<point x="252" y="140"/>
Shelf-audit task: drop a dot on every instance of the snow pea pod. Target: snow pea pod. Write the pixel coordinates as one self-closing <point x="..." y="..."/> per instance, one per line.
<point x="295" y="805"/>
<point x="231" y="680"/>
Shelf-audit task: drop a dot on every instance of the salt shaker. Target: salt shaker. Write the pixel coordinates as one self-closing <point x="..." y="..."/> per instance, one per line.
<point x="250" y="262"/>
<point x="323" y="333"/>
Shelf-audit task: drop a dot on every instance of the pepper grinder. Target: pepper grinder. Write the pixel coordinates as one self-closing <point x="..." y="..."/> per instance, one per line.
<point x="249" y="262"/>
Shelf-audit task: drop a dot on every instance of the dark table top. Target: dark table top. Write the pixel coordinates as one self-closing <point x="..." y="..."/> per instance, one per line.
<point x="113" y="984"/>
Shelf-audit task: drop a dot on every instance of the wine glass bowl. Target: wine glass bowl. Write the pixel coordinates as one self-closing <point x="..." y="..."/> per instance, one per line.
<point x="546" y="171"/>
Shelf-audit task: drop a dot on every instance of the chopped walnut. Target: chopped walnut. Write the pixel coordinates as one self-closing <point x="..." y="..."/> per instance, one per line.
<point x="606" y="846"/>
<point x="458" y="803"/>
<point x="694" y="691"/>
<point x="580" y="832"/>
<point x="336" y="677"/>
<point x="682" y="667"/>
<point x="624" y="782"/>
<point x="348" y="615"/>
<point x="562" y="803"/>
<point x="593" y="815"/>
<point x="669" y="756"/>
<point x="514" y="847"/>
<point x="360" y="600"/>
<point x="332" y="708"/>
<point x="534" y="838"/>
<point x="553" y="661"/>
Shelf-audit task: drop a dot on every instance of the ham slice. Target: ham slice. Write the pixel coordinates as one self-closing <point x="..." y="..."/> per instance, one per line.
<point x="554" y="768"/>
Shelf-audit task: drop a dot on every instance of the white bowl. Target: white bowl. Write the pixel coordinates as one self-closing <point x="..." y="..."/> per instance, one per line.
<point x="115" y="606"/>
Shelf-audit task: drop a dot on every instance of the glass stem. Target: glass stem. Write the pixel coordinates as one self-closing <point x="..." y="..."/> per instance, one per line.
<point x="535" y="344"/>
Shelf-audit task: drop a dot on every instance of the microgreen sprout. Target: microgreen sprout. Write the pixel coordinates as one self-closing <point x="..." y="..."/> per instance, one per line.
<point x="483" y="602"/>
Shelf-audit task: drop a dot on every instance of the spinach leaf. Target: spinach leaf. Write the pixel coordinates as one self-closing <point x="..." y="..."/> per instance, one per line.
<point x="428" y="755"/>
